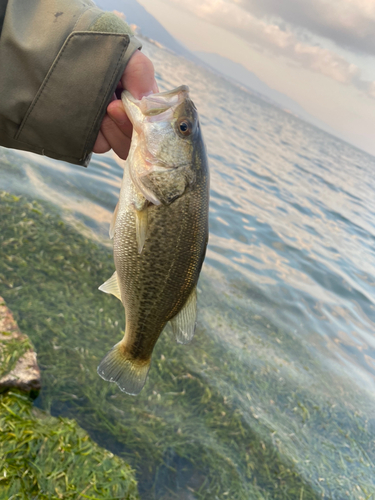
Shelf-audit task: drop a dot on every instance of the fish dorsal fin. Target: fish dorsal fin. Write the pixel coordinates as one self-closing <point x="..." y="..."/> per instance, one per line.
<point x="183" y="324"/>
<point x="113" y="222"/>
<point x="111" y="286"/>
<point x="141" y="222"/>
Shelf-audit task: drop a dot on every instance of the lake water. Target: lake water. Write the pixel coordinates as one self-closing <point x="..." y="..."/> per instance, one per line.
<point x="285" y="346"/>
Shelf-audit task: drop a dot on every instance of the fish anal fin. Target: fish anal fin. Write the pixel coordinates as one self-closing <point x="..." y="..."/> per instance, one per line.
<point x="141" y="222"/>
<point x="183" y="324"/>
<point x="128" y="373"/>
<point x="111" y="286"/>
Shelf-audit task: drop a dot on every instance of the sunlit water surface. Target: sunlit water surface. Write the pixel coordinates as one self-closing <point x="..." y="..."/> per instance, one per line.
<point x="292" y="233"/>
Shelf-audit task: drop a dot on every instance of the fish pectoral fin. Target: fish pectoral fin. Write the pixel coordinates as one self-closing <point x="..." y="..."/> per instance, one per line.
<point x="183" y="324"/>
<point x="128" y="373"/>
<point x="112" y="286"/>
<point x="141" y="222"/>
<point x="113" y="222"/>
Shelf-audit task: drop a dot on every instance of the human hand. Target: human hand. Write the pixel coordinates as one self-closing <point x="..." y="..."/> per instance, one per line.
<point x="116" y="129"/>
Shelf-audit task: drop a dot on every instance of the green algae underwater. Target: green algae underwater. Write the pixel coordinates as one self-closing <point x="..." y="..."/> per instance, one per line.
<point x="185" y="435"/>
<point x="52" y="458"/>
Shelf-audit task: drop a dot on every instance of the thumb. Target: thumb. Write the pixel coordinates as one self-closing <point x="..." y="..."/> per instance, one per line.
<point x="139" y="76"/>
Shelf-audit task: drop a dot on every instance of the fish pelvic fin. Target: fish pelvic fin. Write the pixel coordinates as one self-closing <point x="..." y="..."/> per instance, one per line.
<point x="184" y="323"/>
<point x="128" y="373"/>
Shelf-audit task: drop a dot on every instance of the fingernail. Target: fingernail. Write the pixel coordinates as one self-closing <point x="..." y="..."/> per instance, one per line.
<point x="154" y="90"/>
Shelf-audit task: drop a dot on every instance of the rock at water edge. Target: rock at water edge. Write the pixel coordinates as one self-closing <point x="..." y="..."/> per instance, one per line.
<point x="25" y="373"/>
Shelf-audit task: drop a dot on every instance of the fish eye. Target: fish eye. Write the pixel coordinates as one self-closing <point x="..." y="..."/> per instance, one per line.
<point x="184" y="127"/>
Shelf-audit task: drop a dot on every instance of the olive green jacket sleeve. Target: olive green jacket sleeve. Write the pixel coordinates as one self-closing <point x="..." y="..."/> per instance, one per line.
<point x="60" y="62"/>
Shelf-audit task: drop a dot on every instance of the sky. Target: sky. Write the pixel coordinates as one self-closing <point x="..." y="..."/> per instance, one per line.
<point x="321" y="53"/>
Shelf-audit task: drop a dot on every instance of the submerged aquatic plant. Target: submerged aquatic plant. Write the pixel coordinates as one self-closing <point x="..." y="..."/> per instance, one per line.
<point x="188" y="434"/>
<point x="52" y="458"/>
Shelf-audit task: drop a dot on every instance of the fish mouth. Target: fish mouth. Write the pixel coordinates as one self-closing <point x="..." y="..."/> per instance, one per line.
<point x="156" y="104"/>
<point x="181" y="88"/>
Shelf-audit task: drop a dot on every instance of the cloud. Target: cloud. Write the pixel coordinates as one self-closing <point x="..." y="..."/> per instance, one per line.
<point x="348" y="23"/>
<point x="269" y="36"/>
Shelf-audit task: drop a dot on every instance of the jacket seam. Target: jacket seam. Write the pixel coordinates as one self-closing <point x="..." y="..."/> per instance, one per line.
<point x="53" y="67"/>
<point x="39" y="150"/>
<point x="80" y="17"/>
<point x="3" y="18"/>
<point x="105" y="95"/>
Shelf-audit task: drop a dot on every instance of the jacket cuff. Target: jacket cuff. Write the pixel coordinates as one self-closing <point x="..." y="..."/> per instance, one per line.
<point x="64" y="118"/>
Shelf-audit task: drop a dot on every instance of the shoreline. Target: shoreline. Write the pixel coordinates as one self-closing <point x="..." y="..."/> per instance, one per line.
<point x="44" y="456"/>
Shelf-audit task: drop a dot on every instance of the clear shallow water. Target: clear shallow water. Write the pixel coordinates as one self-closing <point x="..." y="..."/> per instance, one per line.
<point x="288" y="283"/>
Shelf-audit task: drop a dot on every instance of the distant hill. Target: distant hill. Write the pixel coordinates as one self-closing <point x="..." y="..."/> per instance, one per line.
<point x="239" y="74"/>
<point x="150" y="27"/>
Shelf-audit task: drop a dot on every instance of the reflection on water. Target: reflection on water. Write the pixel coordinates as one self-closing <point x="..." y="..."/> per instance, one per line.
<point x="288" y="283"/>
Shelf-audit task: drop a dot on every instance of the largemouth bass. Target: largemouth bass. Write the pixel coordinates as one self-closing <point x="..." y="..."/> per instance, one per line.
<point x="160" y="231"/>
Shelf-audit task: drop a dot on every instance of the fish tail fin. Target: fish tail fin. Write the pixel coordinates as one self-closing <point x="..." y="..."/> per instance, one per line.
<point x="129" y="374"/>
